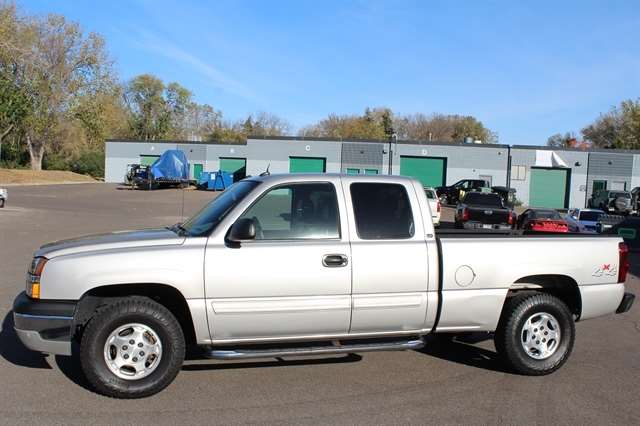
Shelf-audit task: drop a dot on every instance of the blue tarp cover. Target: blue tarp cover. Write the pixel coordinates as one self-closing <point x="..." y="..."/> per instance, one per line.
<point x="172" y="165"/>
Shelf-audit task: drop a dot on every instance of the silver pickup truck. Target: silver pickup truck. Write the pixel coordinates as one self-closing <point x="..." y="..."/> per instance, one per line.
<point x="310" y="264"/>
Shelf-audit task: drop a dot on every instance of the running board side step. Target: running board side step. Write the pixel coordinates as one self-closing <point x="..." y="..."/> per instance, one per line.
<point x="402" y="345"/>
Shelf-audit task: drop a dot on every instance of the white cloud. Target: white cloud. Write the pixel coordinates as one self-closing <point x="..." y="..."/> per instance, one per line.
<point x="214" y="77"/>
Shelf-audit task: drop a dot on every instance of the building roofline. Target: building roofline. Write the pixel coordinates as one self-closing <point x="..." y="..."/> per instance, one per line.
<point x="551" y="148"/>
<point x="380" y="141"/>
<point x="180" y="142"/>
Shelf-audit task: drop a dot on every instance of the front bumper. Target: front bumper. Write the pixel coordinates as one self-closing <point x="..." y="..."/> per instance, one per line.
<point x="44" y="325"/>
<point x="625" y="304"/>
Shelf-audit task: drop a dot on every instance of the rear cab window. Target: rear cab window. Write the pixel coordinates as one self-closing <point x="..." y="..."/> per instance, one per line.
<point x="382" y="211"/>
<point x="492" y="200"/>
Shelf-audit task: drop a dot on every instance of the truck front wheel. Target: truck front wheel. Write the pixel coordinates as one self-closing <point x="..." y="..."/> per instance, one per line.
<point x="132" y="348"/>
<point x="536" y="333"/>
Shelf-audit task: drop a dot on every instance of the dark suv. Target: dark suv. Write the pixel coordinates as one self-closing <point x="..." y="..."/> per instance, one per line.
<point x="453" y="193"/>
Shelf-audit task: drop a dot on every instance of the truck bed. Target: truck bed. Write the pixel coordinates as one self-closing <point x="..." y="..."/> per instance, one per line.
<point x="486" y="265"/>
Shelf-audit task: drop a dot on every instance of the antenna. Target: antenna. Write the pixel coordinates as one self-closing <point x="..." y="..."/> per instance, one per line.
<point x="266" y="172"/>
<point x="182" y="186"/>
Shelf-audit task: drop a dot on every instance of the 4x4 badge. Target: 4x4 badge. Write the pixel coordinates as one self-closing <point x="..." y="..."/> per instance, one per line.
<point x="605" y="269"/>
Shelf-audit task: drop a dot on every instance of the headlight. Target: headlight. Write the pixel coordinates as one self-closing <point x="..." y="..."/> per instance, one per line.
<point x="33" y="276"/>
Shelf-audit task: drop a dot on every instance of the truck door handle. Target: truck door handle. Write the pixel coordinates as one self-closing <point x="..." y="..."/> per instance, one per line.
<point x="334" y="260"/>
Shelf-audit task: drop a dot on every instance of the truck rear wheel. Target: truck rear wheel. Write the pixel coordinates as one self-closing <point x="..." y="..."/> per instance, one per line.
<point x="132" y="348"/>
<point x="536" y="333"/>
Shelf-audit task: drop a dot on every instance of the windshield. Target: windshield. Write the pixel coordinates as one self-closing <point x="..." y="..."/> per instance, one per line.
<point x="546" y="214"/>
<point x="208" y="218"/>
<point x="492" y="200"/>
<point x="590" y="216"/>
<point x="620" y="195"/>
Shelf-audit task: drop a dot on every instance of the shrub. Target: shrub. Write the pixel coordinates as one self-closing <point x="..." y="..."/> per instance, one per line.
<point x="53" y="161"/>
<point x="89" y="163"/>
<point x="86" y="163"/>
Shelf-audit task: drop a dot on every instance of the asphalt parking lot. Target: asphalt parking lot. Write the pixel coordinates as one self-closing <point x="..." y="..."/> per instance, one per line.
<point x="456" y="381"/>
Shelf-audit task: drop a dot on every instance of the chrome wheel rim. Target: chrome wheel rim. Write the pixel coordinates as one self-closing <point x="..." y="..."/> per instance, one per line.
<point x="133" y="351"/>
<point x="540" y="335"/>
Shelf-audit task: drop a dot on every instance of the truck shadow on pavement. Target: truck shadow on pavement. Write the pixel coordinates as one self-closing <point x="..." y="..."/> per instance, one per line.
<point x="70" y="365"/>
<point x="12" y="349"/>
<point x="460" y="349"/>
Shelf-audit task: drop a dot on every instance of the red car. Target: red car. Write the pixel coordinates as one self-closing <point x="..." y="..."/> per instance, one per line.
<point x="542" y="220"/>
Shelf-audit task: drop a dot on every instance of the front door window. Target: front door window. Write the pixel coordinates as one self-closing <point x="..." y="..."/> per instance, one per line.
<point x="300" y="211"/>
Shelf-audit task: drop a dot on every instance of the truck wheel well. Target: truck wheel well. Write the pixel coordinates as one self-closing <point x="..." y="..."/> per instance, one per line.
<point x="166" y="295"/>
<point x="563" y="287"/>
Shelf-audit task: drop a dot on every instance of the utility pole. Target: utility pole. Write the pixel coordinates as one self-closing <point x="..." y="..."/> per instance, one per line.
<point x="392" y="139"/>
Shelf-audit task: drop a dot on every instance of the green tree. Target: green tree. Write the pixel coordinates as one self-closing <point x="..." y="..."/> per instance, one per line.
<point x="150" y="114"/>
<point x="14" y="107"/>
<point x="618" y="128"/>
<point x="442" y="128"/>
<point x="52" y="63"/>
<point x="370" y="125"/>
<point x="629" y="135"/>
<point x="166" y="112"/>
<point x="387" y="123"/>
<point x="102" y="115"/>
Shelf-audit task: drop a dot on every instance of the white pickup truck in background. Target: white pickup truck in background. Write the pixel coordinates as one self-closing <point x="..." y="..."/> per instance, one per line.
<point x="310" y="264"/>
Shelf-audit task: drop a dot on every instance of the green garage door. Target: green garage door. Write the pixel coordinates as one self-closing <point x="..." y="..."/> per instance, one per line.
<point x="236" y="166"/>
<point x="147" y="160"/>
<point x="428" y="170"/>
<point x="548" y="188"/>
<point x="307" y="165"/>
<point x="197" y="171"/>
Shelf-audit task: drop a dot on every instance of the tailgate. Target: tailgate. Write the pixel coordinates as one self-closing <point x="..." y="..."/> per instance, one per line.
<point x="488" y="215"/>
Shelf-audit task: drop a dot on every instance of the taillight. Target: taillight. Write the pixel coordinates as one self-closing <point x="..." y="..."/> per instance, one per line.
<point x="623" y="262"/>
<point x="438" y="207"/>
<point x="465" y="214"/>
<point x="510" y="220"/>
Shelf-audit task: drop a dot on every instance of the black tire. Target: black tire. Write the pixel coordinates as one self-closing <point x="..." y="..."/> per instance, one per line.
<point x="139" y="310"/>
<point x="1" y="203"/>
<point x="509" y="335"/>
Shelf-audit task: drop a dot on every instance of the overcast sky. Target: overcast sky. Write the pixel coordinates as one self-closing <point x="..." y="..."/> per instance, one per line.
<point x="525" y="69"/>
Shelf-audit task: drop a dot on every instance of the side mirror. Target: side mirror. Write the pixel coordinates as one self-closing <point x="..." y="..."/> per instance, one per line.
<point x="242" y="230"/>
